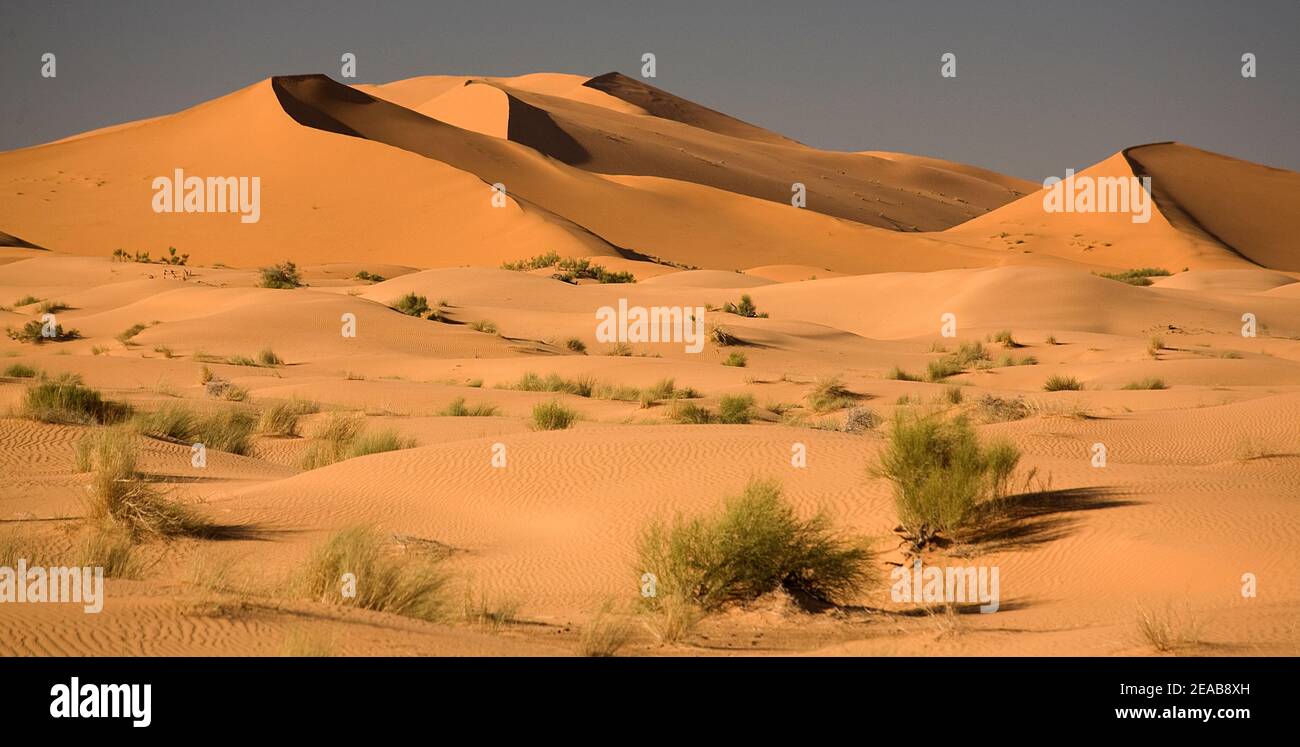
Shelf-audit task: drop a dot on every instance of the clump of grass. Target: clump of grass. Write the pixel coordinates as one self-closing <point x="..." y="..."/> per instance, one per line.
<point x="992" y="409"/>
<point x="284" y="275"/>
<point x="280" y="419"/>
<point x="412" y="304"/>
<point x="735" y="359"/>
<point x="226" y="430"/>
<point x="953" y="395"/>
<point x="206" y="375"/>
<point x="1150" y="382"/>
<point x="377" y="442"/>
<point x="941" y="472"/>
<point x="1058" y="383"/>
<point x="267" y="357"/>
<point x="604" y="634"/>
<point x="619" y="350"/>
<point x="1007" y="361"/>
<point x="690" y="413"/>
<point x="531" y="382"/>
<point x="722" y="338"/>
<point x="241" y="360"/>
<point x="26" y="300"/>
<point x="967" y="353"/>
<point x="1154" y="345"/>
<point x="1137" y="276"/>
<point x="898" y="374"/>
<point x="754" y="545"/>
<point x="735" y="409"/>
<point x="484" y="325"/>
<point x="457" y="408"/>
<point x="1168" y="630"/>
<point x="66" y="400"/>
<point x="172" y="421"/>
<point x="126" y="335"/>
<point x="164" y="351"/>
<point x="120" y="499"/>
<point x="859" y="420"/>
<point x="1005" y="338"/>
<point x="34" y="332"/>
<point x="368" y="277"/>
<point x="111" y="550"/>
<point x="829" y="394"/>
<point x="744" y="308"/>
<point x="52" y="307"/>
<point x="21" y="371"/>
<point x="553" y="416"/>
<point x="1051" y="340"/>
<point x="407" y="585"/>
<point x="575" y="345"/>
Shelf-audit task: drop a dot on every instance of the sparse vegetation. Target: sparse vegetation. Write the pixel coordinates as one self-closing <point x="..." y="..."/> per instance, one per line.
<point x="736" y="360"/>
<point x="690" y="413"/>
<point x="34" y="332"/>
<point x="65" y="400"/>
<point x="1155" y="344"/>
<point x="754" y="545"/>
<point x="553" y="416"/>
<point x="120" y="499"/>
<point x="126" y="335"/>
<point x="385" y="581"/>
<point x="830" y="394"/>
<point x="735" y="409"/>
<point x="280" y="419"/>
<point x="1169" y="629"/>
<point x="368" y="277"/>
<point x="604" y="634"/>
<point x="744" y="308"/>
<point x="1138" y="276"/>
<point x="267" y="357"/>
<point x="1150" y="382"/>
<point x="1005" y="338"/>
<point x="457" y="408"/>
<point x="284" y="275"/>
<point x="575" y="345"/>
<point x="412" y="304"/>
<point x="941" y="472"/>
<point x="21" y="371"/>
<point x="52" y="307"/>
<point x="898" y="374"/>
<point x="1059" y="383"/>
<point x="992" y="409"/>
<point x="484" y="325"/>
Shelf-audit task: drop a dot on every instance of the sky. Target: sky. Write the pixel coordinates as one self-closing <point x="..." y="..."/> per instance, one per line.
<point x="1041" y="86"/>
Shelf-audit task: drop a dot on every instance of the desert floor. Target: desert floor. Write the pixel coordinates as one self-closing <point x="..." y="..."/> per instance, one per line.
<point x="1201" y="485"/>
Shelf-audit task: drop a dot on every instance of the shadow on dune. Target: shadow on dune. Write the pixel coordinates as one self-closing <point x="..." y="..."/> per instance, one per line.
<point x="1029" y="519"/>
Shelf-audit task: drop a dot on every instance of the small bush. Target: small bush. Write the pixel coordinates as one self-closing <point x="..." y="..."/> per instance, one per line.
<point x="1150" y="382"/>
<point x="411" y="586"/>
<point x="21" y="371"/>
<point x="33" y="332"/>
<point x="859" y="420"/>
<point x="953" y="395"/>
<point x="735" y="409"/>
<point x="368" y="277"/>
<point x="228" y="430"/>
<point x="993" y="409"/>
<point x="120" y="499"/>
<point x="1057" y="383"/>
<point x="458" y="409"/>
<point x="1155" y="345"/>
<point x="332" y="440"/>
<point x="267" y="357"/>
<point x="280" y="419"/>
<point x="603" y="635"/>
<point x="738" y="360"/>
<point x="484" y="325"/>
<point x="377" y="442"/>
<point x="129" y="333"/>
<point x="829" y="394"/>
<point x="745" y="308"/>
<point x="1139" y="276"/>
<point x="412" y="305"/>
<point x="898" y="374"/>
<point x="111" y="550"/>
<point x="553" y="416"/>
<point x="940" y="472"/>
<point x="690" y="413"/>
<point x="284" y="275"/>
<point x="619" y="350"/>
<point x="1005" y="338"/>
<point x="575" y="345"/>
<point x="52" y="307"/>
<point x="173" y="422"/>
<point x="753" y="546"/>
<point x="65" y="400"/>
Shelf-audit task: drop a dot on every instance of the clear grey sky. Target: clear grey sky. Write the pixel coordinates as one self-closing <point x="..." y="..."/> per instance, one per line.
<point x="1042" y="85"/>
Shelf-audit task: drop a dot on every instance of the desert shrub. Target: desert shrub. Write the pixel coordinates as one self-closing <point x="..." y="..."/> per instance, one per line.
<point x="368" y="277"/>
<point x="859" y="420"/>
<point x="1051" y="340"/>
<point x="377" y="442"/>
<point x="111" y="550"/>
<point x="408" y="585"/>
<point x="280" y="419"/>
<point x="1005" y="338"/>
<point x="1058" y="383"/>
<point x="119" y="498"/>
<point x="172" y="421"/>
<point x="549" y="259"/>
<point x="267" y="357"/>
<point x="21" y="371"/>
<point x="581" y="387"/>
<point x="754" y="545"/>
<point x="332" y="440"/>
<point x="164" y="351"/>
<point x="1137" y="276"/>
<point x="898" y="374"/>
<point x="737" y="360"/>
<point x="1155" y="345"/>
<point x="744" y="308"/>
<point x="553" y="416"/>
<point x="66" y="400"/>
<point x="722" y="338"/>
<point x="953" y="395"/>
<point x="52" y="307"/>
<point x="412" y="305"/>
<point x="829" y="394"/>
<point x="604" y="634"/>
<point x="575" y="345"/>
<point x="484" y="325"/>
<point x="33" y="331"/>
<point x="1150" y="382"/>
<point x="690" y="413"/>
<point x="458" y="408"/>
<point x="241" y="360"/>
<point x="26" y="300"/>
<point x="1169" y="629"/>
<point x="735" y="409"/>
<point x="284" y="275"/>
<point x="941" y="472"/>
<point x="992" y="409"/>
<point x="226" y="430"/>
<point x="126" y="335"/>
<point x="619" y="350"/>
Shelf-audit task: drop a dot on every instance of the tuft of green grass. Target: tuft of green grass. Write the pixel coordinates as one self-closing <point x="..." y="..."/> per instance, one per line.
<point x="898" y="374"/>
<point x="52" y="307"/>
<point x="486" y="326"/>
<point x="1138" y="276"/>
<point x="829" y="394"/>
<point x="34" y="332"/>
<point x="368" y="277"/>
<point x="120" y="499"/>
<point x="553" y="416"/>
<point x="690" y="413"/>
<point x="457" y="408"/>
<point x="1005" y="338"/>
<point x="1058" y="383"/>
<point x="111" y="550"/>
<point x="754" y="545"/>
<point x="745" y="308"/>
<point x="21" y="371"/>
<point x="604" y="634"/>
<point x="284" y="275"/>
<point x="1150" y="382"/>
<point x="280" y="419"/>
<point x="575" y="345"/>
<point x="941" y="472"/>
<point x="26" y="301"/>
<point x="619" y="350"/>
<point x="737" y="360"/>
<point x="953" y="395"/>
<point x="412" y="304"/>
<point x="226" y="430"/>
<point x="126" y="335"/>
<point x="172" y="421"/>
<point x="356" y="567"/>
<point x="66" y="400"/>
<point x="1154" y="345"/>
<point x="581" y="387"/>
<point x="267" y="357"/>
<point x="735" y="409"/>
<point x="377" y="442"/>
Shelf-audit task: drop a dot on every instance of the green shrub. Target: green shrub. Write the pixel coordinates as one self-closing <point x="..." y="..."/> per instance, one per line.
<point x="1150" y="382"/>
<point x="690" y="413"/>
<point x="226" y="430"/>
<point x="1139" y="276"/>
<point x="280" y="419"/>
<point x="898" y="374"/>
<point x="21" y="371"/>
<point x="829" y="394"/>
<point x="284" y="275"/>
<point x="941" y="472"/>
<point x="120" y="499"/>
<point x="267" y="357"/>
<point x="129" y="333"/>
<point x="738" y="360"/>
<point x="553" y="416"/>
<point x="65" y="400"/>
<point x="735" y="409"/>
<point x="575" y="345"/>
<point x="484" y="325"/>
<point x="407" y="585"/>
<point x="33" y="331"/>
<point x="457" y="408"/>
<point x="1058" y="383"/>
<point x="412" y="305"/>
<point x="753" y="546"/>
